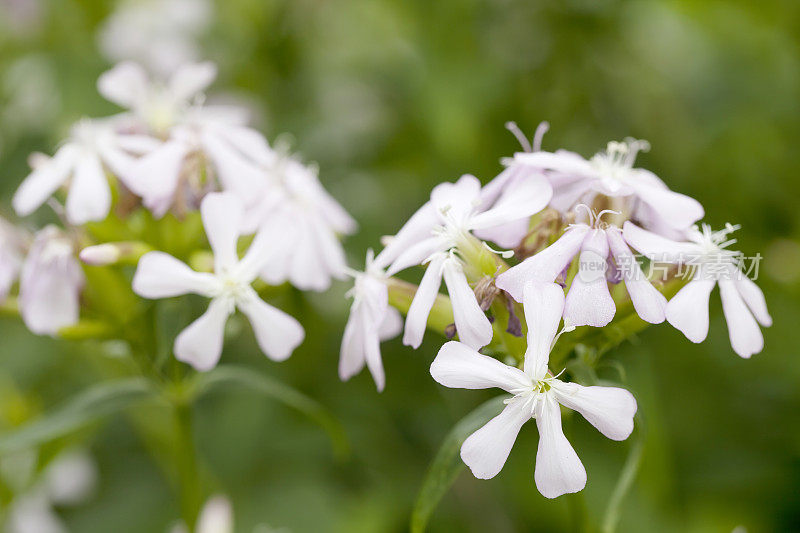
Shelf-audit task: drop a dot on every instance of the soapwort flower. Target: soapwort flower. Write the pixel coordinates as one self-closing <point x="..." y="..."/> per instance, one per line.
<point x="160" y="275"/>
<point x="706" y="252"/>
<point x="536" y="393"/>
<point x="371" y="321"/>
<point x="439" y="234"/>
<point x="589" y="300"/>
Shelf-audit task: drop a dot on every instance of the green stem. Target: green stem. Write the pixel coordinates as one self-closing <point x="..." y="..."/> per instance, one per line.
<point x="186" y="461"/>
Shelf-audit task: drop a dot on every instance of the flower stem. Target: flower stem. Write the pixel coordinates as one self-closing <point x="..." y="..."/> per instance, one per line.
<point x="186" y="461"/>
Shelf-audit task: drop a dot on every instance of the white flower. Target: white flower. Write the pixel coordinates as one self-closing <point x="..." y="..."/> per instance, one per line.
<point x="294" y="198"/>
<point x="12" y="245"/>
<point x="589" y="301"/>
<point x="535" y="394"/>
<point x="612" y="173"/>
<point x="706" y="251"/>
<point x="371" y="321"/>
<point x="216" y="516"/>
<point x="438" y="234"/>
<point x="50" y="283"/>
<point x="160" y="275"/>
<point x="92" y="148"/>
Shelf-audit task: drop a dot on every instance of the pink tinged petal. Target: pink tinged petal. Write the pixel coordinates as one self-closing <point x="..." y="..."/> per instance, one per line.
<point x="754" y="299"/>
<point x="472" y="324"/>
<point x="677" y="210"/>
<point x="191" y="79"/>
<point x="558" y="469"/>
<point x="609" y="409"/>
<point x="417" y="228"/>
<point x="457" y="198"/>
<point x="415" y="255"/>
<point x="492" y="190"/>
<point x="155" y="176"/>
<point x="589" y="302"/>
<point x="687" y="311"/>
<point x="544" y="266"/>
<point x="222" y="215"/>
<point x="160" y="275"/>
<point x="277" y="333"/>
<point x="45" y="180"/>
<point x="125" y="85"/>
<point x="89" y="196"/>
<point x="543" y="304"/>
<point x="200" y="344"/>
<point x="458" y="366"/>
<point x="562" y="161"/>
<point x="743" y="330"/>
<point x="428" y="290"/>
<point x="486" y="451"/>
<point x="522" y="199"/>
<point x="650" y="304"/>
<point x="658" y="247"/>
<point x="507" y="235"/>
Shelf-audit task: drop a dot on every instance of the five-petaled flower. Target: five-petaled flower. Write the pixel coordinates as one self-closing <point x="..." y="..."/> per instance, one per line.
<point x="160" y="275"/>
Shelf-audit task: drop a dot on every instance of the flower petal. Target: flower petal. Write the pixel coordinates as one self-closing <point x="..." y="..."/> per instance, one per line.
<point x="521" y="199"/>
<point x="558" y="468"/>
<point x="428" y="290"/>
<point x="657" y="247"/>
<point x="277" y="333"/>
<point x="688" y="310"/>
<point x="609" y="409"/>
<point x="543" y="304"/>
<point x="44" y="180"/>
<point x="89" y="196"/>
<point x="155" y="176"/>
<point x="472" y="324"/>
<point x="222" y="219"/>
<point x="754" y="299"/>
<point x="650" y="304"/>
<point x="506" y="235"/>
<point x="544" y="266"/>
<point x="414" y="255"/>
<point x="589" y="302"/>
<point x="486" y="451"/>
<point x="458" y="198"/>
<point x="159" y="275"/>
<point x="125" y="85"/>
<point x="216" y="516"/>
<point x="562" y="161"/>
<point x="236" y="173"/>
<point x="352" y="356"/>
<point x="190" y="79"/>
<point x="677" y="210"/>
<point x="743" y="330"/>
<point x="200" y="344"/>
<point x="392" y="324"/>
<point x="458" y="366"/>
<point x="417" y="228"/>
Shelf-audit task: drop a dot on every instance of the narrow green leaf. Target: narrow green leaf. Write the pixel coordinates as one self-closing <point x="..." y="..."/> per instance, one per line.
<point x="626" y="479"/>
<point x="226" y="376"/>
<point x="447" y="464"/>
<point x="88" y="406"/>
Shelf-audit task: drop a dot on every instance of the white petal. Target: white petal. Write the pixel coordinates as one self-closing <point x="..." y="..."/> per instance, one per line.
<point x="216" y="516"/>
<point x="688" y="310"/>
<point x="155" y="176"/>
<point x="159" y="275"/>
<point x="392" y="324"/>
<point x="486" y="451"/>
<point x="352" y="356"/>
<point x="273" y="239"/>
<point x="543" y="304"/>
<point x="743" y="330"/>
<point x="657" y="247"/>
<point x="506" y="235"/>
<point x="329" y="247"/>
<point x="677" y="210"/>
<point x="191" y="79"/>
<point x="544" y="266"/>
<point x="472" y="324"/>
<point x="523" y="198"/>
<point x="428" y="290"/>
<point x="236" y="173"/>
<point x="222" y="218"/>
<point x="754" y="299"/>
<point x="457" y="198"/>
<point x="277" y="333"/>
<point x="589" y="302"/>
<point x="417" y="228"/>
<point x="414" y="255"/>
<point x="372" y="353"/>
<point x="650" y="304"/>
<point x="200" y="344"/>
<point x="609" y="409"/>
<point x="49" y="303"/>
<point x="125" y="85"/>
<point x="44" y="181"/>
<point x="307" y="269"/>
<point x="562" y="161"/>
<point x="460" y="367"/>
<point x="89" y="196"/>
<point x="558" y="468"/>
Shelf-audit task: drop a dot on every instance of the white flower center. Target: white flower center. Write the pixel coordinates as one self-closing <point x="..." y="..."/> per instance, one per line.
<point x="615" y="164"/>
<point x="714" y="244"/>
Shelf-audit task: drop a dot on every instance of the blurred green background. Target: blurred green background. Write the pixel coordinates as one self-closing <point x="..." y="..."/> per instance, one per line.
<point x="391" y="97"/>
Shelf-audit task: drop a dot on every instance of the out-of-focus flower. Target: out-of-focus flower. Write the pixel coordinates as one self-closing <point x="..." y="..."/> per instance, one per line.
<point x="611" y="173"/>
<point x="536" y="393"/>
<point x="589" y="301"/>
<point x="161" y="34"/>
<point x="216" y="516"/>
<point x="92" y="147"/>
<point x="50" y="283"/>
<point x="12" y="249"/>
<point x="439" y="235"/>
<point x="160" y="275"/>
<point x="707" y="252"/>
<point x="371" y="321"/>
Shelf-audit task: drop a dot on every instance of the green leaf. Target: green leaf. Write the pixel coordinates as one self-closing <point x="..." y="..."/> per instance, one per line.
<point x="626" y="479"/>
<point x="88" y="406"/>
<point x="447" y="464"/>
<point x="226" y="376"/>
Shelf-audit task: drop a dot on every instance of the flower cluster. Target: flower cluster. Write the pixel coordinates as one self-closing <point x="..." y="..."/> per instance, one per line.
<point x="572" y="226"/>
